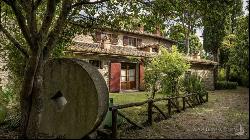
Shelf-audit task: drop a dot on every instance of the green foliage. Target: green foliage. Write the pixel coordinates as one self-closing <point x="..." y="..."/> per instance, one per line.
<point x="163" y="72"/>
<point x="225" y="85"/>
<point x="195" y="44"/>
<point x="193" y="84"/>
<point x="3" y="113"/>
<point x="177" y="32"/>
<point x="214" y="21"/>
<point x="222" y="74"/>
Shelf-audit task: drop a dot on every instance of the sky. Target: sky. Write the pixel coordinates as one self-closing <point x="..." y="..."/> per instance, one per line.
<point x="199" y="31"/>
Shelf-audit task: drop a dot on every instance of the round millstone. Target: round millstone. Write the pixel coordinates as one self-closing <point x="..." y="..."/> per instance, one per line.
<point x="75" y="98"/>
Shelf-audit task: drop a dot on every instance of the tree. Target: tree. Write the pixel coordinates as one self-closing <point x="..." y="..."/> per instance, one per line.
<point x="41" y="24"/>
<point x="214" y="17"/>
<point x="183" y="13"/>
<point x="188" y="14"/>
<point x="239" y="54"/>
<point x="226" y="50"/>
<point x="177" y="32"/>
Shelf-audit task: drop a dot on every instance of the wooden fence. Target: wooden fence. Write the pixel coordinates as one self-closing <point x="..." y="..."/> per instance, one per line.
<point x="191" y="100"/>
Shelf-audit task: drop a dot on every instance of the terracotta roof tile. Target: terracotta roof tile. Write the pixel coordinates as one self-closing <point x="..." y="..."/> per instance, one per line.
<point x="114" y="50"/>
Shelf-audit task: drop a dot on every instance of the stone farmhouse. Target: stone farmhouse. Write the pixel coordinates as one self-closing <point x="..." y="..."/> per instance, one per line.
<point x="119" y="56"/>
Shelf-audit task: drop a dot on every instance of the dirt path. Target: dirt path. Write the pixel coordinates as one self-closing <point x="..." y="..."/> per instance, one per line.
<point x="225" y="115"/>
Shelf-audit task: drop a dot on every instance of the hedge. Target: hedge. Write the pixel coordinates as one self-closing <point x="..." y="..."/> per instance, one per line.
<point x="225" y="85"/>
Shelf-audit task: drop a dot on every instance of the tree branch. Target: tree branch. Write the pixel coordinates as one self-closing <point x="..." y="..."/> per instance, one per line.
<point x="57" y="30"/>
<point x="15" y="43"/>
<point x="21" y="22"/>
<point x="47" y="20"/>
<point x="85" y="25"/>
<point x="87" y="2"/>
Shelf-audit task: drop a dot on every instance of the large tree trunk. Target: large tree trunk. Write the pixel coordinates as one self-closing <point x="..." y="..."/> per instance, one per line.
<point x="228" y="72"/>
<point x="187" y="43"/>
<point x="37" y="103"/>
<point x="216" y="59"/>
<point x="30" y="93"/>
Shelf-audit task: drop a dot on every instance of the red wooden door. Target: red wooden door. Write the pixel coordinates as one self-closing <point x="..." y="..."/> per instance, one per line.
<point x="128" y="76"/>
<point x="114" y="80"/>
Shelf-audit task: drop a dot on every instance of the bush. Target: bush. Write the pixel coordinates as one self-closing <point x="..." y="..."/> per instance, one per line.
<point x="193" y="84"/>
<point x="163" y="72"/>
<point x="225" y="85"/>
<point x="221" y="75"/>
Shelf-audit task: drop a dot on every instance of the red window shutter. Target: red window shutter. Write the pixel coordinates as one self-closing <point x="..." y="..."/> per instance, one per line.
<point x="98" y="36"/>
<point x="125" y="40"/>
<point x="139" y="42"/>
<point x="114" y="79"/>
<point x="141" y="77"/>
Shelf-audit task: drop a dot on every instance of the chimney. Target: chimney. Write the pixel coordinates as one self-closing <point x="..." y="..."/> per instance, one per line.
<point x="157" y="30"/>
<point x="140" y="28"/>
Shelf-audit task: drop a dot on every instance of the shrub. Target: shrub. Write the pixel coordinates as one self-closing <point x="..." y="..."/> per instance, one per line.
<point x="221" y="75"/>
<point x="162" y="72"/>
<point x="225" y="85"/>
<point x="193" y="84"/>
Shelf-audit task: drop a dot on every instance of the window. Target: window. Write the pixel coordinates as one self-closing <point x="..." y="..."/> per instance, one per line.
<point x="123" y="75"/>
<point x="131" y="74"/>
<point x="96" y="63"/>
<point x="131" y="41"/>
<point x="155" y="50"/>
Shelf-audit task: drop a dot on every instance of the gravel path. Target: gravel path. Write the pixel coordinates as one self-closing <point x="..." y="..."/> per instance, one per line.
<point x="225" y="115"/>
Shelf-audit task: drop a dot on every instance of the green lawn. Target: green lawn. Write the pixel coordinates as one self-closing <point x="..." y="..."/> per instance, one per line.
<point x="123" y="98"/>
<point x="138" y="113"/>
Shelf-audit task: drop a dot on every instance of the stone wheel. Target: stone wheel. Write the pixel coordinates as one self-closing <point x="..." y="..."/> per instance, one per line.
<point x="75" y="98"/>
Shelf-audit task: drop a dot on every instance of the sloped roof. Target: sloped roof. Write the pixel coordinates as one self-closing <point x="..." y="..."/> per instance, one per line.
<point x="201" y="61"/>
<point x="95" y="48"/>
<point x="135" y="32"/>
<point x="114" y="50"/>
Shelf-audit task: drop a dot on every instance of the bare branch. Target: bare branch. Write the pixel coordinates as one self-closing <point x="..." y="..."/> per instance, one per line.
<point x="14" y="41"/>
<point x="87" y="2"/>
<point x="57" y="30"/>
<point x="47" y="20"/>
<point x="85" y="25"/>
<point x="21" y="22"/>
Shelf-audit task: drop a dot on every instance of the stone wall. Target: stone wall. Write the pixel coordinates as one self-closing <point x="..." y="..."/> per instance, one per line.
<point x="145" y="40"/>
<point x="105" y="71"/>
<point x="206" y="73"/>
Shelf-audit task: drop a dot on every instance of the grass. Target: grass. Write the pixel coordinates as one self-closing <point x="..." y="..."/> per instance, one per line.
<point x="139" y="113"/>
<point x="124" y="98"/>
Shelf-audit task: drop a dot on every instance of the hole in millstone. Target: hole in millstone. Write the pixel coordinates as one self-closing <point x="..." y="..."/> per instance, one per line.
<point x="59" y="101"/>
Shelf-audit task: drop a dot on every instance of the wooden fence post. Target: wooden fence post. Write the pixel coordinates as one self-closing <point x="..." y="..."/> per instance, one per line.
<point x="114" y="122"/>
<point x="169" y="108"/>
<point x="206" y="96"/>
<point x="150" y="112"/>
<point x="197" y="98"/>
<point x="183" y="105"/>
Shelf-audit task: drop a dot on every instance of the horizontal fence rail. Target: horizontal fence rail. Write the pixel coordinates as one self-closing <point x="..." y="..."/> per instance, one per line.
<point x="190" y="99"/>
